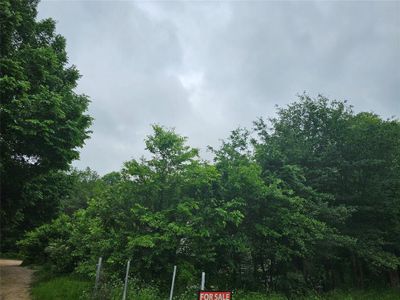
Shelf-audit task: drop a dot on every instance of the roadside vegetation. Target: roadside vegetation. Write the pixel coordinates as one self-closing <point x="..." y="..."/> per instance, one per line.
<point x="66" y="288"/>
<point x="72" y="288"/>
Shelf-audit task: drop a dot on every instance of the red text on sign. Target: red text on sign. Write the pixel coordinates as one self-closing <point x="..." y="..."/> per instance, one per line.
<point x="215" y="295"/>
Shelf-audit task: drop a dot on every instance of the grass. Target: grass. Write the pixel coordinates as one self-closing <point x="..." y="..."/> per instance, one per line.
<point x="60" y="288"/>
<point x="241" y="295"/>
<point x="69" y="287"/>
<point x="47" y="287"/>
<point x="373" y="294"/>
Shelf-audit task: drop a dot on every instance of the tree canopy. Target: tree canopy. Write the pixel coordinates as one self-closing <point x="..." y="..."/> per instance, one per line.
<point x="305" y="201"/>
<point x="43" y="120"/>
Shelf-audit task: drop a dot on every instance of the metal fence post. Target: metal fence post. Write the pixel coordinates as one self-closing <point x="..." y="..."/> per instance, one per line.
<point x="98" y="269"/>
<point x="126" y="279"/>
<point x="171" y="294"/>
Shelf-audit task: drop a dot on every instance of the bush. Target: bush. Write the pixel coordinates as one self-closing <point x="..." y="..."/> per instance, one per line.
<point x="47" y="244"/>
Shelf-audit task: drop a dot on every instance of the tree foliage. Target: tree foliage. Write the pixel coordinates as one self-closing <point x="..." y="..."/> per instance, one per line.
<point x="307" y="200"/>
<point x="43" y="120"/>
<point x="355" y="159"/>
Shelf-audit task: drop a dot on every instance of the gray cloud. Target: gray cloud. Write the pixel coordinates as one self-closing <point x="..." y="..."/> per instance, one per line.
<point x="208" y="67"/>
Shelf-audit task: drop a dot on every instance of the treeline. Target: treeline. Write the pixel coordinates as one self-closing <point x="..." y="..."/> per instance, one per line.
<point x="309" y="200"/>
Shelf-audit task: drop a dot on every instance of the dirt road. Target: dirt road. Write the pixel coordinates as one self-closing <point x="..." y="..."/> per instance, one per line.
<point x="14" y="280"/>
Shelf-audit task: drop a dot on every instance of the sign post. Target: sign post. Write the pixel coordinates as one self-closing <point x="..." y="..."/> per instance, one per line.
<point x="203" y="281"/>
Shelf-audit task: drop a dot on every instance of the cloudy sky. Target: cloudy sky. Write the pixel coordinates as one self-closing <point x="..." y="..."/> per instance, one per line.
<point x="208" y="67"/>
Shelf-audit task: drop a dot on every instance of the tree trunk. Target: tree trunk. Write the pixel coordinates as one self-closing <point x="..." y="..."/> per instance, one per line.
<point x="354" y="266"/>
<point x="394" y="278"/>
<point x="361" y="273"/>
<point x="305" y="269"/>
<point x="357" y="271"/>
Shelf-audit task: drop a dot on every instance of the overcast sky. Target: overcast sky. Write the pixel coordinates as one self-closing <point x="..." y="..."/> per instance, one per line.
<point x="206" y="68"/>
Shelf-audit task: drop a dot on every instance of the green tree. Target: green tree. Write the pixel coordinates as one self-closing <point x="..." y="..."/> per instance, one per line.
<point x="84" y="185"/>
<point x="371" y="184"/>
<point x="43" y="120"/>
<point x="354" y="158"/>
<point x="284" y="224"/>
<point x="175" y="213"/>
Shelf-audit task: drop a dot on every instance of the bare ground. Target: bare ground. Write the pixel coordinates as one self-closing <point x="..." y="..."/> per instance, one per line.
<point x="14" y="280"/>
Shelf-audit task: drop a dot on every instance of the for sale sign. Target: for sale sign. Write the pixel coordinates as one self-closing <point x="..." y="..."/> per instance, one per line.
<point x="208" y="295"/>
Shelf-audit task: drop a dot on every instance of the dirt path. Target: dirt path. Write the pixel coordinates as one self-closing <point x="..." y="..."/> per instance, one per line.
<point x="14" y="280"/>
